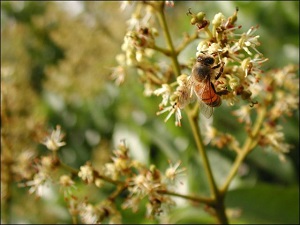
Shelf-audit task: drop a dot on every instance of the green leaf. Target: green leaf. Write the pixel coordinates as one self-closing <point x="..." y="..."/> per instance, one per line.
<point x="190" y="215"/>
<point x="266" y="204"/>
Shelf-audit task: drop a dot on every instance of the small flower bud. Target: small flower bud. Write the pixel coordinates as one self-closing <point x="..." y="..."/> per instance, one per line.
<point x="218" y="19"/>
<point x="199" y="20"/>
<point x="200" y="16"/>
<point x="66" y="181"/>
<point x="233" y="18"/>
<point x="86" y="173"/>
<point x="193" y="20"/>
<point x="99" y="183"/>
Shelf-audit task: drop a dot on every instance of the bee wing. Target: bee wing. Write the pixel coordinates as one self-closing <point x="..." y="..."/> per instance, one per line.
<point x="201" y="89"/>
<point x="206" y="110"/>
<point x="206" y="90"/>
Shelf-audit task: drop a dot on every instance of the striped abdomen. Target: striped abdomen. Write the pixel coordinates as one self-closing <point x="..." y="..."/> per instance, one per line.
<point x="206" y="93"/>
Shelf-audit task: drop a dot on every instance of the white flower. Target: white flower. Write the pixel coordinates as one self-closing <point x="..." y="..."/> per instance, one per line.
<point x="172" y="172"/>
<point x="111" y="170"/>
<point x="86" y="173"/>
<point x="204" y="47"/>
<point x="118" y="75"/>
<point x="88" y="214"/>
<point x="173" y="109"/>
<point x="39" y="184"/>
<point x="67" y="185"/>
<point x="165" y="92"/>
<point x="54" y="142"/>
<point x="134" y="22"/>
<point x="275" y="139"/>
<point x="247" y="40"/>
<point x="252" y="66"/>
<point x="66" y="181"/>
<point x="218" y="19"/>
<point x="142" y="185"/>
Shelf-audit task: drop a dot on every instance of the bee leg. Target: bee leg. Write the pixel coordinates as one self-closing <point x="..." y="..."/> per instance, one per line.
<point x="223" y="92"/>
<point x="221" y="65"/>
<point x="216" y="66"/>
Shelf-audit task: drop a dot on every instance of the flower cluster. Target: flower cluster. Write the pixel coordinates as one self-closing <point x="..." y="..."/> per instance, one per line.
<point x="135" y="44"/>
<point x="236" y="52"/>
<point x="42" y="178"/>
<point x="241" y="65"/>
<point x="272" y="137"/>
<point x="178" y="98"/>
<point x="86" y="173"/>
<point x="219" y="139"/>
<point x="240" y="75"/>
<point x="280" y="96"/>
<point x="43" y="167"/>
<point x="127" y="173"/>
<point x="95" y="214"/>
<point x="141" y="181"/>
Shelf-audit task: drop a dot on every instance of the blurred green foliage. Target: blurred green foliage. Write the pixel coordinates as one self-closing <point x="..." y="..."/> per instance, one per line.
<point x="62" y="53"/>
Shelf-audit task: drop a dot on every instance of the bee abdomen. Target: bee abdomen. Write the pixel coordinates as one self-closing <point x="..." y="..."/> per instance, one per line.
<point x="214" y="101"/>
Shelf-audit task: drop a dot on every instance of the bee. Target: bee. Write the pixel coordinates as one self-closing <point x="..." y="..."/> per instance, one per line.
<point x="202" y="73"/>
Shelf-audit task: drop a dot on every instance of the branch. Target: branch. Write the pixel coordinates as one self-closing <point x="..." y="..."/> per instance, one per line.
<point x="208" y="201"/>
<point x="173" y="55"/>
<point x="187" y="41"/>
<point x="193" y="119"/>
<point x="249" y="144"/>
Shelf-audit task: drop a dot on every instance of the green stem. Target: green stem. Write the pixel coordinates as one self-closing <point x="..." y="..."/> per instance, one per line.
<point x="218" y="199"/>
<point x="162" y="20"/>
<point x="207" y="201"/>
<point x="193" y="119"/>
<point x="74" y="219"/>
<point x="165" y="51"/>
<point x="107" y="179"/>
<point x="117" y="192"/>
<point x="186" y="42"/>
<point x="221" y="211"/>
<point x="249" y="144"/>
<point x="69" y="168"/>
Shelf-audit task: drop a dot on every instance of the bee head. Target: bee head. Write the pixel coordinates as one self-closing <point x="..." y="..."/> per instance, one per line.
<point x="207" y="60"/>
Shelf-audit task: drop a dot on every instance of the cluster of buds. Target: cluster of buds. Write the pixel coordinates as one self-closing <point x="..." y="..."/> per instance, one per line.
<point x="135" y="44"/>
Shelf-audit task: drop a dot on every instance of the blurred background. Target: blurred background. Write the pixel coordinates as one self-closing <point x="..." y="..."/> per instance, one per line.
<point x="56" y="61"/>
